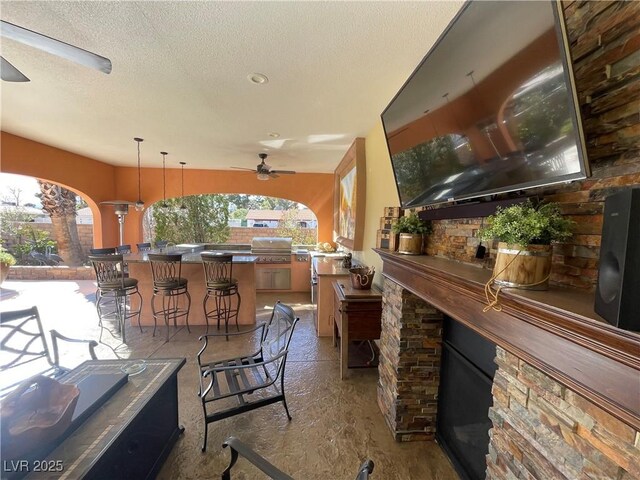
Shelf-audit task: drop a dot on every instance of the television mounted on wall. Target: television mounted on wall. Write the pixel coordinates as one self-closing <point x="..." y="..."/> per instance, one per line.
<point x="492" y="108"/>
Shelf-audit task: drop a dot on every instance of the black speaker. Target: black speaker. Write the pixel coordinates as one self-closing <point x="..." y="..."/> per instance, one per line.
<point x="618" y="289"/>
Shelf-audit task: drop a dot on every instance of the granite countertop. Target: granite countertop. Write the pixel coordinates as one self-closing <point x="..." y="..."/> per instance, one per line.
<point x="329" y="266"/>
<point x="189" y="257"/>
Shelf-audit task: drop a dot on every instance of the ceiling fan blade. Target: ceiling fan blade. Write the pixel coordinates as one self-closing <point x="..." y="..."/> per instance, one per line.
<point x="55" y="47"/>
<point x="9" y="73"/>
<point x="286" y="172"/>
<point x="242" y="168"/>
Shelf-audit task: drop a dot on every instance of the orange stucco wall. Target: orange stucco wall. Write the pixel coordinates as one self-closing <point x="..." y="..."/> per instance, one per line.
<point x="97" y="181"/>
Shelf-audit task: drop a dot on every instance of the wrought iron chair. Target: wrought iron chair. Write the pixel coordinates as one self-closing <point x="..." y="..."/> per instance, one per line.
<point x="114" y="291"/>
<point x="239" y="448"/>
<point x="123" y="249"/>
<point x="24" y="351"/>
<point x="143" y="247"/>
<point x="220" y="284"/>
<point x="161" y="244"/>
<point x="243" y="375"/>
<point x="168" y="284"/>
<point x="102" y="251"/>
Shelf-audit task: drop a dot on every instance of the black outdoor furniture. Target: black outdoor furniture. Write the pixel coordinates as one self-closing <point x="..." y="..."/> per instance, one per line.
<point x="123" y="249"/>
<point x="241" y="376"/>
<point x="143" y="247"/>
<point x="238" y="448"/>
<point x="222" y="287"/>
<point x="25" y="351"/>
<point x="115" y="289"/>
<point x="170" y="287"/>
<point x="102" y="251"/>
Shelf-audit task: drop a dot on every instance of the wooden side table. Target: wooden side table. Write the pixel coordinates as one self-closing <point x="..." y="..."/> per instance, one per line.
<point x="357" y="316"/>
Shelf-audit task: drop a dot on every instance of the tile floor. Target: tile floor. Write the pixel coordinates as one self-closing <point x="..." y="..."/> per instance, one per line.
<point x="336" y="424"/>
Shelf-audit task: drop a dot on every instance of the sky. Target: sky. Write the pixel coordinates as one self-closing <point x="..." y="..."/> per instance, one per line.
<point x="27" y="185"/>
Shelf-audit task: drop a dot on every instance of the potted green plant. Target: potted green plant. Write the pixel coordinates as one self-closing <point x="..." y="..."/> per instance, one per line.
<point x="412" y="230"/>
<point x="525" y="232"/>
<point x="6" y="261"/>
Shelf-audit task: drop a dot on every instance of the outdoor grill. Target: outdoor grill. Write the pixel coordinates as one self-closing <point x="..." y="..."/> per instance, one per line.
<point x="271" y="249"/>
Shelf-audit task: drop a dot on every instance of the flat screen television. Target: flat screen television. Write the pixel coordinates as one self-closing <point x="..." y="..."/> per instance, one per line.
<point x="492" y="108"/>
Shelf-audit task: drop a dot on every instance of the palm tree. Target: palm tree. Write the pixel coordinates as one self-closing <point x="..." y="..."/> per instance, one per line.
<point x="60" y="204"/>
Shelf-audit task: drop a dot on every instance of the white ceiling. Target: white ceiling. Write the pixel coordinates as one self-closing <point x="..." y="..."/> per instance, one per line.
<point x="180" y="69"/>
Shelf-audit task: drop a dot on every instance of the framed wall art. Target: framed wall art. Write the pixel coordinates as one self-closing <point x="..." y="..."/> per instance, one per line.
<point x="350" y="197"/>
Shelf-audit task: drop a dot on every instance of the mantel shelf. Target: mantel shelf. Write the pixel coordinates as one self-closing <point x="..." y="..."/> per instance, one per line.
<point x="555" y="330"/>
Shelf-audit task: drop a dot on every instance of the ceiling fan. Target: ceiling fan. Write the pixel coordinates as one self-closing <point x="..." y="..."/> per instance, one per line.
<point x="9" y="73"/>
<point x="264" y="171"/>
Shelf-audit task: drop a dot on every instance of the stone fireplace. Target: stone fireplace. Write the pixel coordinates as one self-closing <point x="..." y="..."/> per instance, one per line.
<point x="566" y="393"/>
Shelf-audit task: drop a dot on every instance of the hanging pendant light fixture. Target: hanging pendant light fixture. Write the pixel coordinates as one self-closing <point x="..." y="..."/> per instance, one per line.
<point x="183" y="207"/>
<point x="139" y="204"/>
<point x="164" y="181"/>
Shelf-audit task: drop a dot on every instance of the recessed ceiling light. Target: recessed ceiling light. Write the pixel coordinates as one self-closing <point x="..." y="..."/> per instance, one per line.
<point x="258" y="78"/>
<point x="274" y="134"/>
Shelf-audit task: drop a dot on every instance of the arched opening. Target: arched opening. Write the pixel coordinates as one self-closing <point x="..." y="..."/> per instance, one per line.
<point x="228" y="219"/>
<point x="44" y="222"/>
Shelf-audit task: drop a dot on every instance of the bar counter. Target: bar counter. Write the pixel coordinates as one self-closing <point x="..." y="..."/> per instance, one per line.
<point x="192" y="270"/>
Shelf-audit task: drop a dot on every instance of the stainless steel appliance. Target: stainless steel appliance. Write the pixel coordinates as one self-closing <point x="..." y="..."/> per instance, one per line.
<point x="272" y="251"/>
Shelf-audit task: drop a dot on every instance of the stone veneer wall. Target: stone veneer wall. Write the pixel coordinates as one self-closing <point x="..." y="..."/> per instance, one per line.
<point x="543" y="430"/>
<point x="21" y="272"/>
<point x="409" y="367"/>
<point x="605" y="43"/>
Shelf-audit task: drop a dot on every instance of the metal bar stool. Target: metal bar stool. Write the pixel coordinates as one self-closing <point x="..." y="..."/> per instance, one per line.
<point x="220" y="284"/>
<point x="143" y="247"/>
<point x="114" y="291"/>
<point x="168" y="284"/>
<point x="102" y="251"/>
<point x="123" y="249"/>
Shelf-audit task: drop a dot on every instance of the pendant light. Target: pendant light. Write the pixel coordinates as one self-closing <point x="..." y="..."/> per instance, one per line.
<point x="164" y="181"/>
<point x="139" y="204"/>
<point x="183" y="207"/>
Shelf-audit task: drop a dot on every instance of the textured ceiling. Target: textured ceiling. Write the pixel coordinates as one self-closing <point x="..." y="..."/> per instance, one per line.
<point x="180" y="69"/>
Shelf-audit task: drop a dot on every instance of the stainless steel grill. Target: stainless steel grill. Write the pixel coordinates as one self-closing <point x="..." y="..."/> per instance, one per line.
<point x="272" y="249"/>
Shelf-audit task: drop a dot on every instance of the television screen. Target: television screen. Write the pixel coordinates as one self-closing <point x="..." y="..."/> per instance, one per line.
<point x="491" y="108"/>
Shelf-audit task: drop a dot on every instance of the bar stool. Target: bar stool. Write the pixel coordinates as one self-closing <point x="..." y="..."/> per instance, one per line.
<point x="161" y="244"/>
<point x="123" y="249"/>
<point x="220" y="284"/>
<point x="102" y="251"/>
<point x="143" y="247"/>
<point x="114" y="291"/>
<point x="168" y="284"/>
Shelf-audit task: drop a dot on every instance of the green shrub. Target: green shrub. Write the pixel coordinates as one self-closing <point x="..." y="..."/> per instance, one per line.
<point x="6" y="258"/>
<point x="411" y="224"/>
<point x="526" y="224"/>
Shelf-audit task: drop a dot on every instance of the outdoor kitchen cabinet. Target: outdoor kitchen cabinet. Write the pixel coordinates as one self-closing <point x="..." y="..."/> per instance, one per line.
<point x="326" y="270"/>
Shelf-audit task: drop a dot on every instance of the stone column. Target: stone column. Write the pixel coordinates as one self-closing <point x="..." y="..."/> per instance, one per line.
<point x="409" y="368"/>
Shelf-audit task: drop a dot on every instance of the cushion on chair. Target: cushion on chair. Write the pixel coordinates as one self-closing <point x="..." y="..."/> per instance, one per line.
<point x="117" y="285"/>
<point x="222" y="285"/>
<point x="170" y="283"/>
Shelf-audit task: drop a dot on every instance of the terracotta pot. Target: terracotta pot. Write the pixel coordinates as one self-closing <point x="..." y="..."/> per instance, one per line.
<point x="4" y="272"/>
<point x="410" y="244"/>
<point x="527" y="268"/>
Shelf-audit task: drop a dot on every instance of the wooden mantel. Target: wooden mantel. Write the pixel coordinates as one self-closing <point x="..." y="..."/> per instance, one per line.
<point x="556" y="331"/>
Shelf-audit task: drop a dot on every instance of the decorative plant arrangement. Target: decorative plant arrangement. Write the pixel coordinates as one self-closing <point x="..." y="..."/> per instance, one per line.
<point x="525" y="224"/>
<point x="6" y="261"/>
<point x="411" y="229"/>
<point x="525" y="233"/>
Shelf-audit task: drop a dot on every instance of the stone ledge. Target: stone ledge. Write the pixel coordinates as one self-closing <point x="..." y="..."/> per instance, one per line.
<point x="28" y="272"/>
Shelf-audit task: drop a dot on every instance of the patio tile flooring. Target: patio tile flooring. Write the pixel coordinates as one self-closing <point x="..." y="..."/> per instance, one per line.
<point x="336" y="424"/>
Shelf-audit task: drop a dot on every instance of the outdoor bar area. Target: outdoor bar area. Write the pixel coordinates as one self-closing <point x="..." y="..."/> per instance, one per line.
<point x="423" y="265"/>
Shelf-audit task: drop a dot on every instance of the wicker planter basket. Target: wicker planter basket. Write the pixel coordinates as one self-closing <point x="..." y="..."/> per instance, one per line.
<point x="526" y="268"/>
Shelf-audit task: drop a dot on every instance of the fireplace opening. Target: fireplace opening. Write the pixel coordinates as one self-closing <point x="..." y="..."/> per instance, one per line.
<point x="464" y="398"/>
